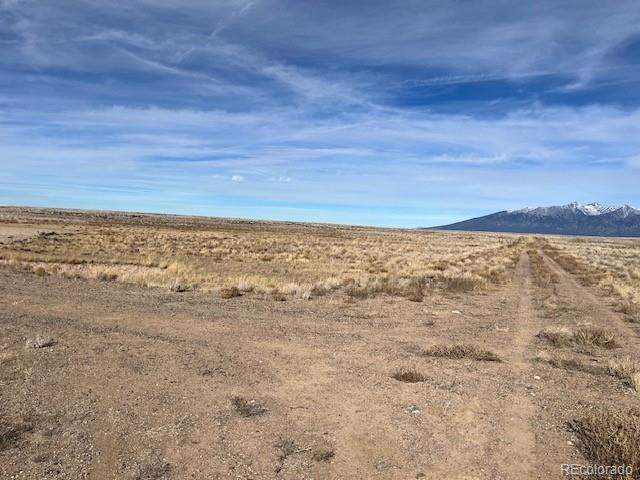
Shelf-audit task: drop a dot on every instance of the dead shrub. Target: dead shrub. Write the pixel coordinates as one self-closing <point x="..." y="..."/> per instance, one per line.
<point x="248" y="408"/>
<point x="229" y="292"/>
<point x="408" y="375"/>
<point x="610" y="438"/>
<point x="461" y="351"/>
<point x="287" y="448"/>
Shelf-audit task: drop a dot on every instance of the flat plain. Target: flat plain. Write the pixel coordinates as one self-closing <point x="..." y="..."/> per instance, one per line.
<point x="142" y="346"/>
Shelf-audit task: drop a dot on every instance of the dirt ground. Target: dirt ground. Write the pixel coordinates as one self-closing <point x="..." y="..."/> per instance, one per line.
<point x="139" y="383"/>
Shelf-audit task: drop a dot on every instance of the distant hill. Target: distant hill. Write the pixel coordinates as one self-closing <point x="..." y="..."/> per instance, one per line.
<point x="571" y="219"/>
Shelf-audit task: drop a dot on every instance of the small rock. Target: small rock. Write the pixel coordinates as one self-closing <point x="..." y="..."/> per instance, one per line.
<point x="536" y="377"/>
<point x="457" y="312"/>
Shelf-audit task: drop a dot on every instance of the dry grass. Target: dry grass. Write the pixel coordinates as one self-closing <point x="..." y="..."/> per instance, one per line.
<point x="625" y="370"/>
<point x="40" y="341"/>
<point x="610" y="438"/>
<point x="586" y="336"/>
<point x="278" y="296"/>
<point x="408" y="375"/>
<point x="612" y="264"/>
<point x="248" y="408"/>
<point x="176" y="286"/>
<point x="631" y="310"/>
<point x="577" y="365"/>
<point x="325" y="455"/>
<point x="596" y="337"/>
<point x="301" y="261"/>
<point x="544" y="277"/>
<point x="230" y="292"/>
<point x="557" y="336"/>
<point x="461" y="351"/>
<point x="39" y="270"/>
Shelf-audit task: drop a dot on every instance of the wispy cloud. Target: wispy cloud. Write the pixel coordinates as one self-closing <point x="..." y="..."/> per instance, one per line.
<point x="437" y="111"/>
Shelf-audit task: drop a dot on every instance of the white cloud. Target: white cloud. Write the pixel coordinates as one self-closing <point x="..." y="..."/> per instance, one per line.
<point x="274" y="91"/>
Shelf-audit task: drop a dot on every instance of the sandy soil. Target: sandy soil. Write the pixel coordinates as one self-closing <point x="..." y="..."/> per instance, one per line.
<point x="139" y="383"/>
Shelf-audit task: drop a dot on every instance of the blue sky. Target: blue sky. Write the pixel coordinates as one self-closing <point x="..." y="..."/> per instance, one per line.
<point x="410" y="113"/>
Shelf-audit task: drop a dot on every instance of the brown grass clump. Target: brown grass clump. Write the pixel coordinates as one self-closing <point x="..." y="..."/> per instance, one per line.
<point x="462" y="351"/>
<point x="626" y="370"/>
<point x="577" y="365"/>
<point x="583" y="336"/>
<point x="229" y="292"/>
<point x="355" y="291"/>
<point x="408" y="375"/>
<point x="557" y="336"/>
<point x="461" y="283"/>
<point x="610" y="438"/>
<point x="631" y="310"/>
<point x="40" y="341"/>
<point x="248" y="408"/>
<point x="594" y="336"/>
<point x="40" y="271"/>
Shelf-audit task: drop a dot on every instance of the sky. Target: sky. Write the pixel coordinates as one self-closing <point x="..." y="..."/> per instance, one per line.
<point x="391" y="113"/>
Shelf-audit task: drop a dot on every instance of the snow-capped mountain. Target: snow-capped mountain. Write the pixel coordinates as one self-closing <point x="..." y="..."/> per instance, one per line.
<point x="588" y="209"/>
<point x="571" y="219"/>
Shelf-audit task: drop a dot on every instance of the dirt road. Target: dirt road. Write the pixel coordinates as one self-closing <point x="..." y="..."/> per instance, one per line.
<point x="139" y="382"/>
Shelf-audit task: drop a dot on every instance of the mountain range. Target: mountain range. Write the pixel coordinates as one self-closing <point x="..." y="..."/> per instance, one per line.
<point x="571" y="219"/>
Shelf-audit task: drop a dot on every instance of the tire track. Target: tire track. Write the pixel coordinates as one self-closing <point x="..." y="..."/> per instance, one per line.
<point x="517" y="455"/>
<point x="499" y="435"/>
<point x="588" y="305"/>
